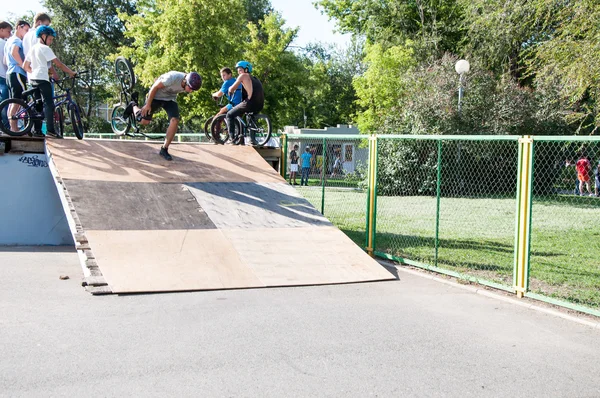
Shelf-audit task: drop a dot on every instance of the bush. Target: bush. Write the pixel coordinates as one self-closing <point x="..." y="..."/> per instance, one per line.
<point x="491" y="106"/>
<point x="97" y="125"/>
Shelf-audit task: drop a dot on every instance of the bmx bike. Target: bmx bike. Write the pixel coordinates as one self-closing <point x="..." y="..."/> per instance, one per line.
<point x="255" y="126"/>
<point x="129" y="126"/>
<point x="30" y="110"/>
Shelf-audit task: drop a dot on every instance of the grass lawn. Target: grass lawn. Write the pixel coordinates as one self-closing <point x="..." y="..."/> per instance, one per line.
<point x="476" y="236"/>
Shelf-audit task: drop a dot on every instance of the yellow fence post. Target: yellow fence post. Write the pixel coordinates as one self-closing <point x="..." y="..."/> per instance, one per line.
<point x="283" y="162"/>
<point x="372" y="196"/>
<point x="523" y="227"/>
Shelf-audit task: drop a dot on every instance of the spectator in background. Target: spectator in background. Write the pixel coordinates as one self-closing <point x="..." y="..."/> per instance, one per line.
<point x="294" y="165"/>
<point x="337" y="165"/>
<point x="30" y="39"/>
<point x="5" y="31"/>
<point x="306" y="161"/>
<point x="568" y="164"/>
<point x="15" y="74"/>
<point x="583" y="167"/>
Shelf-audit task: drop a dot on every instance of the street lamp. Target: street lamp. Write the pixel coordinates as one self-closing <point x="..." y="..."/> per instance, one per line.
<point x="462" y="66"/>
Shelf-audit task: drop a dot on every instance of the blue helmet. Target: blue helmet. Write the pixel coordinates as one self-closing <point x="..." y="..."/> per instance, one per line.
<point x="45" y="30"/>
<point x="244" y="64"/>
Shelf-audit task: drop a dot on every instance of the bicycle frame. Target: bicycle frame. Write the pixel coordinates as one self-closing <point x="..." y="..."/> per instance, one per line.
<point x="31" y="105"/>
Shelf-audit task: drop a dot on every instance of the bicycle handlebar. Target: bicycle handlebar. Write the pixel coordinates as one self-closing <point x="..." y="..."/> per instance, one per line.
<point x="219" y="100"/>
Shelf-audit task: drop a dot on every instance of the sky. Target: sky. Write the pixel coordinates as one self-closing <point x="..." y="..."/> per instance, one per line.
<point x="297" y="13"/>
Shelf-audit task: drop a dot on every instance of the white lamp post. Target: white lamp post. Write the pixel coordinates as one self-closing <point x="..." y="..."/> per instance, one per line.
<point x="462" y="66"/>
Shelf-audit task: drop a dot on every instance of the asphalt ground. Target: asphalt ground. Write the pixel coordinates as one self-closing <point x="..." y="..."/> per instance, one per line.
<point x="409" y="337"/>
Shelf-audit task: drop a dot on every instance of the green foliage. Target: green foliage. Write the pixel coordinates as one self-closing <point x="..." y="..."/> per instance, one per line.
<point x="570" y="60"/>
<point x="498" y="32"/>
<point x="87" y="33"/>
<point x="429" y="106"/>
<point x="328" y="96"/>
<point x="433" y="25"/>
<point x="257" y="9"/>
<point x="184" y="36"/>
<point x="276" y="66"/>
<point x="381" y="87"/>
<point x="97" y="125"/>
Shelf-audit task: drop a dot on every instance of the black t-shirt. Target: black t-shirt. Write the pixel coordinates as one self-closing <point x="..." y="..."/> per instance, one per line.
<point x="294" y="157"/>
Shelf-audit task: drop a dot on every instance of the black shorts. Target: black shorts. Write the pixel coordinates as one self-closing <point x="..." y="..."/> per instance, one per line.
<point x="170" y="107"/>
<point x="17" y="83"/>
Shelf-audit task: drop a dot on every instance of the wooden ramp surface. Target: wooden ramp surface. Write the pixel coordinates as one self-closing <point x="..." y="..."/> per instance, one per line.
<point x="216" y="217"/>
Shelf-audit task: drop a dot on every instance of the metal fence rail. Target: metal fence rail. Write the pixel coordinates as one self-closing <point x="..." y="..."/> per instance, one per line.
<point x="498" y="210"/>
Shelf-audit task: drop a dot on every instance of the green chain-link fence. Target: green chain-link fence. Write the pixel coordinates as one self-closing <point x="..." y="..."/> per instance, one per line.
<point x="449" y="203"/>
<point x="565" y="222"/>
<point x="335" y="172"/>
<point x="453" y="204"/>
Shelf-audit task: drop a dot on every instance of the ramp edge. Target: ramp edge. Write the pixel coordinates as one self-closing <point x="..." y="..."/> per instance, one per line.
<point x="87" y="260"/>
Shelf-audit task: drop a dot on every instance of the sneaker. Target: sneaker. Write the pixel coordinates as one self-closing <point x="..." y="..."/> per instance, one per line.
<point x="128" y="110"/>
<point x="37" y="134"/>
<point x="164" y="152"/>
<point x="52" y="134"/>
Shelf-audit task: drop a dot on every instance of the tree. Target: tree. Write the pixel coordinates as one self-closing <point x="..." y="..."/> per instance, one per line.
<point x="328" y="97"/>
<point x="569" y="60"/>
<point x="278" y="68"/>
<point x="256" y="10"/>
<point x="381" y="88"/>
<point x="87" y="33"/>
<point x="194" y="35"/>
<point x="435" y="26"/>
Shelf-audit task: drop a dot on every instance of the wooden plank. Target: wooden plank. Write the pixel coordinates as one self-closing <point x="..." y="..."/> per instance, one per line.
<point x="94" y="281"/>
<point x="108" y="205"/>
<point x="99" y="160"/>
<point x="173" y="260"/>
<point x="304" y="256"/>
<point x="99" y="290"/>
<point x="27" y="145"/>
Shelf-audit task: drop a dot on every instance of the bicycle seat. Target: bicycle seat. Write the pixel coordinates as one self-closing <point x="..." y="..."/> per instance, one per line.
<point x="27" y="93"/>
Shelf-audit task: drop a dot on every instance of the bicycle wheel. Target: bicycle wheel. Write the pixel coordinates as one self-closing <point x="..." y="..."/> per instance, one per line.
<point x="59" y="121"/>
<point x="207" y="132"/>
<point x="260" y="129"/>
<point x="125" y="73"/>
<point x="21" y="121"/>
<point x="75" y="115"/>
<point x="119" y="124"/>
<point x="218" y="130"/>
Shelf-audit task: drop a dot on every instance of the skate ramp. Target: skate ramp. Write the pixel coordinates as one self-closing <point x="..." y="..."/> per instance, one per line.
<point x="216" y="217"/>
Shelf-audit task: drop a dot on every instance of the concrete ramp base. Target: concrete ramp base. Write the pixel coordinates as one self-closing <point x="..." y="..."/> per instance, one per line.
<point x="216" y="217"/>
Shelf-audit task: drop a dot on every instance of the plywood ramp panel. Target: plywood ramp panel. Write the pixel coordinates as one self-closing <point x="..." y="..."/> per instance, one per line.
<point x="304" y="256"/>
<point x="217" y="217"/>
<point x="176" y="260"/>
<point x="129" y="161"/>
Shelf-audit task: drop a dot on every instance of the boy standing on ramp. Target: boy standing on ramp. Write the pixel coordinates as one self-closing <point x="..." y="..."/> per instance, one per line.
<point x="163" y="94"/>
